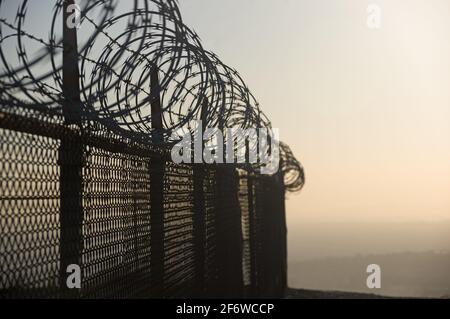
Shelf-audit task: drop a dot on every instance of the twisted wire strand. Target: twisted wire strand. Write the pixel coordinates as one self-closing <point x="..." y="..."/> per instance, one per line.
<point x="118" y="49"/>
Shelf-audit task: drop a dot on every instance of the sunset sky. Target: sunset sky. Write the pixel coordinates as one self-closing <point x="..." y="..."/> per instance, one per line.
<point x="366" y="111"/>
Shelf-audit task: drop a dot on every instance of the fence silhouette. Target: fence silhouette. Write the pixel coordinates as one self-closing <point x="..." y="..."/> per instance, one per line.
<point x="86" y="172"/>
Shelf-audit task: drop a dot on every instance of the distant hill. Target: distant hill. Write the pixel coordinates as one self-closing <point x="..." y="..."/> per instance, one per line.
<point x="406" y="274"/>
<point x="317" y="294"/>
<point x="321" y="240"/>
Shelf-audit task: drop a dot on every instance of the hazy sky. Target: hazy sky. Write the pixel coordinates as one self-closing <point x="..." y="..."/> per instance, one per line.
<point x="366" y="111"/>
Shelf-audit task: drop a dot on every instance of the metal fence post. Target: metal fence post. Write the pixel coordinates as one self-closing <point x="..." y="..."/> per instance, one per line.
<point x="200" y="214"/>
<point x="283" y="230"/>
<point x="157" y="168"/>
<point x="229" y="233"/>
<point x="70" y="160"/>
<point x="252" y="241"/>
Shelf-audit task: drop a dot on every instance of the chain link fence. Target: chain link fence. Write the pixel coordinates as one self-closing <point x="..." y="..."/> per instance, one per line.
<point x="70" y="197"/>
<point x="87" y="122"/>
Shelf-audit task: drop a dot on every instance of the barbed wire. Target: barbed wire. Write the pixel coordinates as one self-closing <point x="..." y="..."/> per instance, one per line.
<point x="292" y="169"/>
<point x="119" y="49"/>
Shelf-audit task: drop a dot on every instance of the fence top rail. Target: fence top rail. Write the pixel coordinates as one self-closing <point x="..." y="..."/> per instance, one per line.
<point x="101" y="140"/>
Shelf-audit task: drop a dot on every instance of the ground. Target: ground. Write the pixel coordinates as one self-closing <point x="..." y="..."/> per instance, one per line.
<point x="317" y="294"/>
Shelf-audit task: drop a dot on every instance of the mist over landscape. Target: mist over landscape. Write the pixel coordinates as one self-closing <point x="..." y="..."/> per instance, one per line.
<point x="367" y="113"/>
<point x="414" y="257"/>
